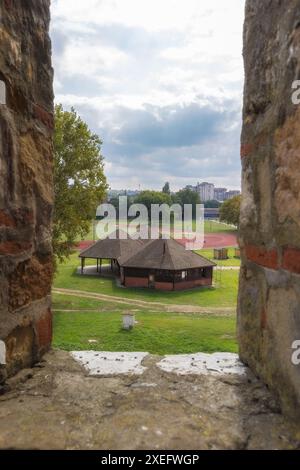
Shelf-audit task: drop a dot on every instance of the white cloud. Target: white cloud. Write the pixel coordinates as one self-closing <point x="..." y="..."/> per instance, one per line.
<point x="153" y="15"/>
<point x="95" y="59"/>
<point x="146" y="56"/>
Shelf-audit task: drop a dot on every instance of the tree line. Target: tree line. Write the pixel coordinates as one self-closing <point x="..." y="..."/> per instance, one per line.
<point x="149" y="197"/>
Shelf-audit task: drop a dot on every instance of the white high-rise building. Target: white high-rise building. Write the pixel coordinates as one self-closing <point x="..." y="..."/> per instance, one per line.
<point x="206" y="191"/>
<point x="220" y="194"/>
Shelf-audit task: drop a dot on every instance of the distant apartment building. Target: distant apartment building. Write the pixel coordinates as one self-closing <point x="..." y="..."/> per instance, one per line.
<point x="231" y="194"/>
<point x="206" y="191"/>
<point x="219" y="194"/>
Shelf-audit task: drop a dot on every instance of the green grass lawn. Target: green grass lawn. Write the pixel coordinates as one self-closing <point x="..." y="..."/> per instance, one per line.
<point x="70" y="302"/>
<point x="156" y="333"/>
<point x="231" y="261"/>
<point x="210" y="226"/>
<point x="224" y="293"/>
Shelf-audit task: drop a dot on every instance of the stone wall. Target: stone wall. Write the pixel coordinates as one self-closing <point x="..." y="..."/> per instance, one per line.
<point x="26" y="199"/>
<point x="269" y="296"/>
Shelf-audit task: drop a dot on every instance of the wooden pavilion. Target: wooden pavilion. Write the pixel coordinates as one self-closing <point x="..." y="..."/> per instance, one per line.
<point x="166" y="265"/>
<point x="114" y="249"/>
<point x="159" y="264"/>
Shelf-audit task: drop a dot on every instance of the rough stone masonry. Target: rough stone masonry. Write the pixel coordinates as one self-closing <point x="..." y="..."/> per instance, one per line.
<point x="58" y="405"/>
<point x="26" y="198"/>
<point x="269" y="295"/>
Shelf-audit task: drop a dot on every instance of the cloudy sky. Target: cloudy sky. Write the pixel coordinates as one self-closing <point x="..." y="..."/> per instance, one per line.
<point x="160" y="81"/>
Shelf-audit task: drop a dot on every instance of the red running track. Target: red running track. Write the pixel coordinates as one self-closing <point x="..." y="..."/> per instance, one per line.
<point x="211" y="240"/>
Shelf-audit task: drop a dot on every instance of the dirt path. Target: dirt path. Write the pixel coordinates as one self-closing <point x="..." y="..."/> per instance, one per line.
<point x="175" y="308"/>
<point x="228" y="268"/>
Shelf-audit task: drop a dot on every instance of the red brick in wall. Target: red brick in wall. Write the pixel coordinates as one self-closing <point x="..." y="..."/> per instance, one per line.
<point x="46" y="118"/>
<point x="291" y="260"/>
<point x="6" y="220"/>
<point x="167" y="286"/>
<point x="191" y="284"/>
<point x="262" y="256"/>
<point x="136" y="282"/>
<point x="246" y="149"/>
<point x="14" y="247"/>
<point x="43" y="328"/>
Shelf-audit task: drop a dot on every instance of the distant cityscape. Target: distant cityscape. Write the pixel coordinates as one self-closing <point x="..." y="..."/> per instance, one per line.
<point x="206" y="191"/>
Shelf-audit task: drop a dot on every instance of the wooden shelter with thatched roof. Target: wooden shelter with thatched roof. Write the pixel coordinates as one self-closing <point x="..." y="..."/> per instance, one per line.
<point x="166" y="265"/>
<point x="158" y="264"/>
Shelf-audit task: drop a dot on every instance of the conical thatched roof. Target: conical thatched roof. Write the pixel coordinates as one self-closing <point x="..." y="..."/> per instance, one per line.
<point x="113" y="248"/>
<point x="168" y="255"/>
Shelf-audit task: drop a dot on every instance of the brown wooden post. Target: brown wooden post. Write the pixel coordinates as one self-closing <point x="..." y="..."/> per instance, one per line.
<point x="82" y="264"/>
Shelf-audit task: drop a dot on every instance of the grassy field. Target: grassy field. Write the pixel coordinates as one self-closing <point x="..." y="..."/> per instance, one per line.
<point x="209" y="227"/>
<point x="70" y="302"/>
<point x="224" y="293"/>
<point x="155" y="332"/>
<point x="231" y="261"/>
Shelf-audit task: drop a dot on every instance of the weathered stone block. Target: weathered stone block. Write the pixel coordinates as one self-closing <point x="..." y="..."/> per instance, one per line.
<point x="26" y="186"/>
<point x="269" y="298"/>
<point x="19" y="349"/>
<point x="30" y="281"/>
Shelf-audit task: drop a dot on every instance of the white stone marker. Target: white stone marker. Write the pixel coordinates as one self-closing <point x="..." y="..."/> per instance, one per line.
<point x="128" y="321"/>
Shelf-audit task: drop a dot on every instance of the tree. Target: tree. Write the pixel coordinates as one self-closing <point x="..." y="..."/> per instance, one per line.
<point x="114" y="201"/>
<point x="166" y="188"/>
<point x="152" y="197"/>
<point x="187" y="196"/>
<point x="79" y="181"/>
<point x="212" y="204"/>
<point x="230" y="211"/>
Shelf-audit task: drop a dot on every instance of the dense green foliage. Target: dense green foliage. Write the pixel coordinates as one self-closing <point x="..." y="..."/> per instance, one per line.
<point x="79" y="181"/>
<point x="212" y="204"/>
<point x="230" y="211"/>
<point x="152" y="197"/>
<point x="187" y="196"/>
